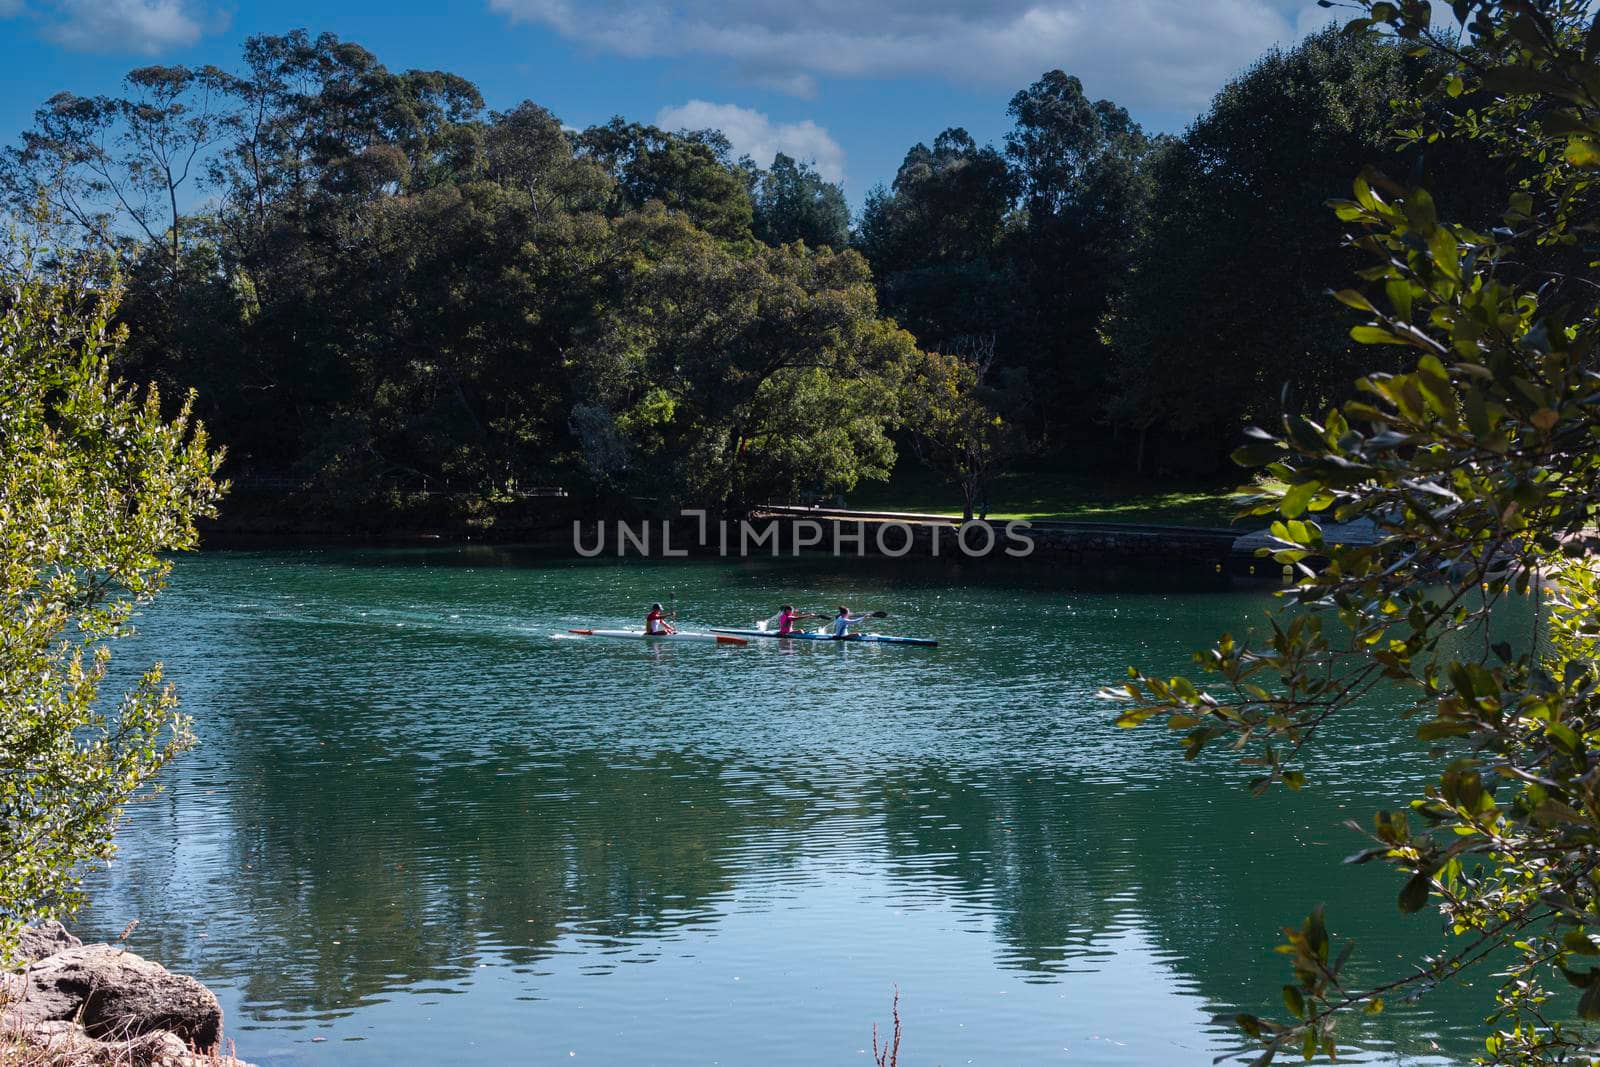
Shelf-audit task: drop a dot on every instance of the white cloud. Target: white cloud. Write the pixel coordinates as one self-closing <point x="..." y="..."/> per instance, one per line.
<point x="148" y="27"/>
<point x="1164" y="53"/>
<point x="752" y="133"/>
<point x="10" y="8"/>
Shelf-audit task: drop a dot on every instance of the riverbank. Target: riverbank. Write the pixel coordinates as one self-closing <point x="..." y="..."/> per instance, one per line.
<point x="68" y="1004"/>
<point x="1050" y="493"/>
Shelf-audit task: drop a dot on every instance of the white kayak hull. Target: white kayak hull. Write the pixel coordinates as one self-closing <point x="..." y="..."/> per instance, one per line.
<point x="640" y="635"/>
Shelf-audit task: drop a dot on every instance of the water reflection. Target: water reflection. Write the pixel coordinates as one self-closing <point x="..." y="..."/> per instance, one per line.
<point x="410" y="794"/>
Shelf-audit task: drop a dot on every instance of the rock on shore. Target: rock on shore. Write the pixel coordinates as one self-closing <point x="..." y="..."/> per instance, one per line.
<point x="90" y="1004"/>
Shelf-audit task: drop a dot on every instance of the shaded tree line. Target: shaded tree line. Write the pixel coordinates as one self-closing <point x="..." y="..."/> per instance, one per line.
<point x="379" y="286"/>
<point x="1131" y="281"/>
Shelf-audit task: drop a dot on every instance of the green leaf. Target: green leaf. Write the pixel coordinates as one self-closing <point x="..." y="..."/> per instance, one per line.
<point x="1295" y="500"/>
<point x="1446" y="252"/>
<point x="1589" y="1003"/>
<point x="1580" y="943"/>
<point x="1351" y="298"/>
<point x="1401" y="294"/>
<point x="1374" y="335"/>
<point x="1257" y="454"/>
<point x="1415" y="893"/>
<point x="1421" y="212"/>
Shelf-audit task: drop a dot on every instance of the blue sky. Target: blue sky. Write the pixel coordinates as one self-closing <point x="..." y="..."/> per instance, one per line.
<point x="850" y="83"/>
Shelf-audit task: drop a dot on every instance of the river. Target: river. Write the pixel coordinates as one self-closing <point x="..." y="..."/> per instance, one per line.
<point x="424" y="825"/>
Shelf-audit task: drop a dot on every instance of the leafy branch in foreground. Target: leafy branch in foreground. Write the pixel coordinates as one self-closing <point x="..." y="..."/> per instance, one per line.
<point x="94" y="485"/>
<point x="1480" y="470"/>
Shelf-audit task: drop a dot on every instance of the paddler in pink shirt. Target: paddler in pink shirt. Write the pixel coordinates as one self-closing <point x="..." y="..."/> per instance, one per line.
<point x="656" y="624"/>
<point x="787" y="617"/>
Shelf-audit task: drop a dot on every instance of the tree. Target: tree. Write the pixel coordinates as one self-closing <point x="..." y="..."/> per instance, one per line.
<point x="388" y="292"/>
<point x="1080" y="168"/>
<point x="741" y="378"/>
<point x="687" y="172"/>
<point x="1223" y="297"/>
<point x="107" y="163"/>
<point x="95" y="486"/>
<point x="794" y="203"/>
<point x="952" y="423"/>
<point x="935" y="240"/>
<point x="527" y="149"/>
<point x="1478" y="467"/>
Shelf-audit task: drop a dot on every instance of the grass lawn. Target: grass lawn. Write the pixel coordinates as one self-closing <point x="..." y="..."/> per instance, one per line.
<point x="1025" y="494"/>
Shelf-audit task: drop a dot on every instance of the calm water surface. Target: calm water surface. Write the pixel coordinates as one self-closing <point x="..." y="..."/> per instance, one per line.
<point x="425" y="826"/>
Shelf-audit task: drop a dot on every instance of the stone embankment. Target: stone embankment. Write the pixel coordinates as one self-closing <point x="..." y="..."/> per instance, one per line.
<point x="74" y="1005"/>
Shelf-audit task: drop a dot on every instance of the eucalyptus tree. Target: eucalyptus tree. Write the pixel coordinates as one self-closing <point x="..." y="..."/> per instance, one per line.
<point x="1477" y="464"/>
<point x="794" y="203"/>
<point x="1081" y="173"/>
<point x="936" y="239"/>
<point x="121" y="168"/>
<point x="1223" y="297"/>
<point x="686" y="172"/>
<point x="526" y="148"/>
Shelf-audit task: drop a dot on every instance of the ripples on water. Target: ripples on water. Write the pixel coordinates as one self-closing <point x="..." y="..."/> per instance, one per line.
<point x="426" y="826"/>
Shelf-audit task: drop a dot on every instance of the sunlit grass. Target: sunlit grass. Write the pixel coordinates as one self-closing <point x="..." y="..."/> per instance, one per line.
<point x="1053" y="495"/>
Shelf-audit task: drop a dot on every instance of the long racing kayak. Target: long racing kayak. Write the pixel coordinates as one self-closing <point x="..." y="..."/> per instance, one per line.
<point x="640" y="635"/>
<point x="879" y="639"/>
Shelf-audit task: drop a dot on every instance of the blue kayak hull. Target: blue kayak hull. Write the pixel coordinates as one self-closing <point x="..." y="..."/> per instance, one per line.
<point x="876" y="639"/>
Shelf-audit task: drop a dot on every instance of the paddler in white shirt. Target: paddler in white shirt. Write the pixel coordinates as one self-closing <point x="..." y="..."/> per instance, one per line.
<point x="844" y="620"/>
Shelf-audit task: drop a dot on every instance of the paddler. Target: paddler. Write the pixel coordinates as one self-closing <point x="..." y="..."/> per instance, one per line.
<point x="656" y="622"/>
<point x="787" y="617"/>
<point x="844" y="620"/>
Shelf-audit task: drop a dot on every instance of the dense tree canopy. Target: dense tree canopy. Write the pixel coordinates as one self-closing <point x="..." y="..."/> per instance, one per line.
<point x="1238" y="199"/>
<point x="380" y="287"/>
<point x="794" y="203"/>
<point x="1024" y="245"/>
<point x="387" y="290"/>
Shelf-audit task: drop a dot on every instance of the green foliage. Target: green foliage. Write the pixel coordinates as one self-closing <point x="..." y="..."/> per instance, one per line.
<point x="1026" y="246"/>
<point x="949" y="416"/>
<point x="1083" y="173"/>
<point x="391" y="293"/>
<point x="935" y="239"/>
<point x="741" y="378"/>
<point x="95" y="485"/>
<point x="1226" y="294"/>
<point x="794" y="203"/>
<point x="687" y="172"/>
<point x="1478" y="466"/>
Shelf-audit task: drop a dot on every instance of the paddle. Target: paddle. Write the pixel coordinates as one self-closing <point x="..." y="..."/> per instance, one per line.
<point x="863" y="615"/>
